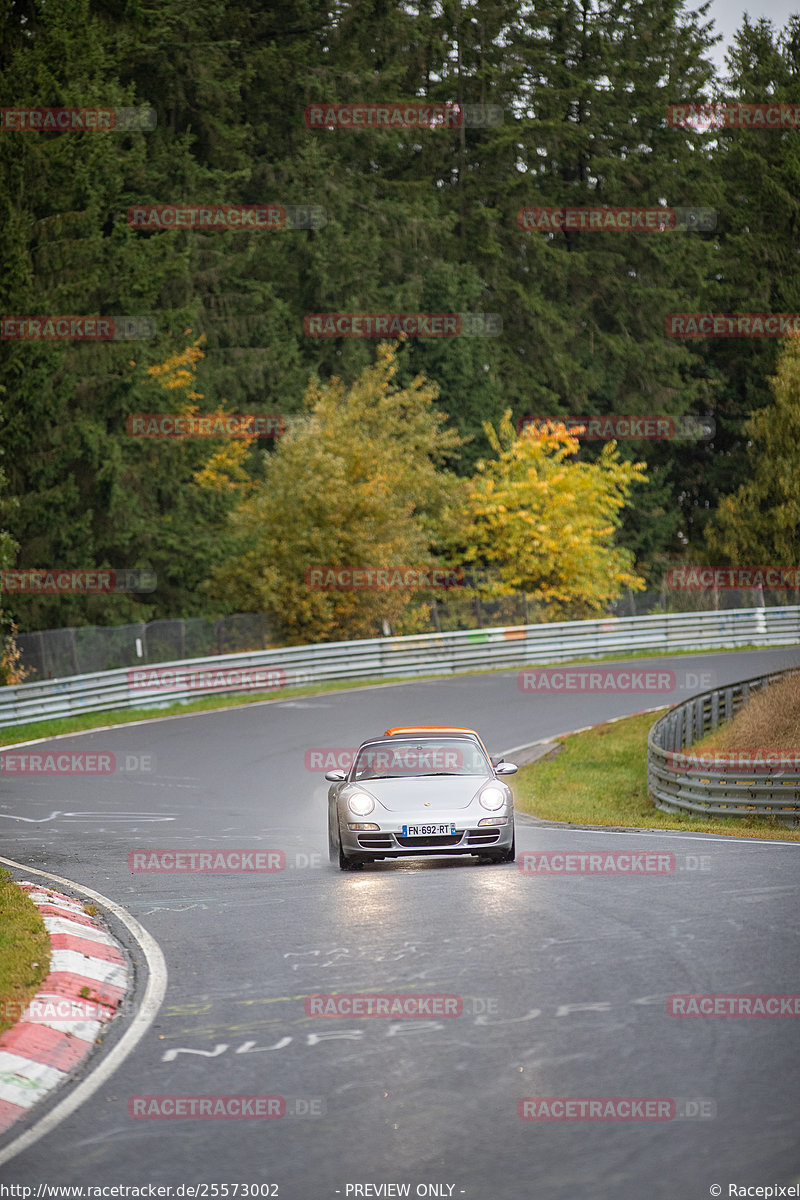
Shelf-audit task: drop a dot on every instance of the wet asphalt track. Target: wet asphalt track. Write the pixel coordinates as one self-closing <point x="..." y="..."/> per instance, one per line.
<point x="564" y="980"/>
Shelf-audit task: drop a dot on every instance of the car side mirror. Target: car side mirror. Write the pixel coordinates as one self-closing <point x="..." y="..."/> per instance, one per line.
<point x="504" y="768"/>
<point x="340" y="776"/>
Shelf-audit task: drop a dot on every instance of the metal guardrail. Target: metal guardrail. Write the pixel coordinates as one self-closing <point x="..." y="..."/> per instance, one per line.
<point x="83" y="649"/>
<point x="393" y="658"/>
<point x="707" y="785"/>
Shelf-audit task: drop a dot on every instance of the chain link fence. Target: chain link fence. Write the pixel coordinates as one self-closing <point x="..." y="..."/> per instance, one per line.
<point x="57" y="653"/>
<point x="475" y="612"/>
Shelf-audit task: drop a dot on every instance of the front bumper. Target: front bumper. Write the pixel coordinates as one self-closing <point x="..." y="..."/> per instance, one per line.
<point x="388" y="840"/>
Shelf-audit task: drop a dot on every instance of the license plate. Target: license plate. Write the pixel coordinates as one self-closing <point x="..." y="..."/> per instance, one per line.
<point x="428" y="830"/>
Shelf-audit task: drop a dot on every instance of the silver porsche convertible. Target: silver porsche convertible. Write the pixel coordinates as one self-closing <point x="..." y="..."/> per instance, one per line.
<point x="421" y="790"/>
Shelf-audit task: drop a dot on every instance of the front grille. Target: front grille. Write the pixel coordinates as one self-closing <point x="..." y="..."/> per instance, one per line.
<point x="375" y="841"/>
<point x="445" y="839"/>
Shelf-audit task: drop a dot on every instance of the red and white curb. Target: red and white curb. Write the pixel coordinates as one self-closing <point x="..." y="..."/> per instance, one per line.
<point x="88" y="979"/>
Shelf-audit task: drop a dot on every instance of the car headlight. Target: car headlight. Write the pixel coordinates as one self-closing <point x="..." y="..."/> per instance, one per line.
<point x="360" y="804"/>
<point x="492" y="798"/>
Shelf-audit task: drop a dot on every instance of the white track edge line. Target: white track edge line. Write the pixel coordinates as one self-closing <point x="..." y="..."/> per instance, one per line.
<point x="145" y="1015"/>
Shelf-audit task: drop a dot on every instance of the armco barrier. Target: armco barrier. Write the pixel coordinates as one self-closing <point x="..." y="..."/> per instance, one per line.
<point x="680" y="783"/>
<point x="390" y="658"/>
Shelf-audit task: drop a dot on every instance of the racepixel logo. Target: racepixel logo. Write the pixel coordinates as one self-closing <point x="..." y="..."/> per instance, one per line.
<point x="397" y="324"/>
<point x="761" y="1005"/>
<point x="72" y="763"/>
<point x="757" y="760"/>
<point x="75" y="580"/>
<point x="732" y="325"/>
<point x="394" y="115"/>
<point x="76" y="329"/>
<point x="206" y="679"/>
<point x="599" y="218"/>
<point x="612" y="679"/>
<point x="225" y="862"/>
<point x="391" y="1005"/>
<point x="77" y="120"/>
<point x="376" y="579"/>
<point x="701" y="578"/>
<point x="624" y="428"/>
<point x="733" y="116"/>
<point x="614" y="1108"/>
<point x="214" y="425"/>
<point x="435" y="758"/>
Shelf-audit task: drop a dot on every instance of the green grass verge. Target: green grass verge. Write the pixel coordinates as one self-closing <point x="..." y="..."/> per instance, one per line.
<point x="24" y="951"/>
<point x="600" y="778"/>
<point x="88" y="721"/>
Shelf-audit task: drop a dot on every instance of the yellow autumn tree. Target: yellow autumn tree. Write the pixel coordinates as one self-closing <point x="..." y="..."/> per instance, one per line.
<point x="544" y="524"/>
<point x="224" y="470"/>
<point x="358" y="480"/>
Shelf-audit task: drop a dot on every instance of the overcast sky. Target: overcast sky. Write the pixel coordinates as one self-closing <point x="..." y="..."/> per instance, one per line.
<point x="727" y="16"/>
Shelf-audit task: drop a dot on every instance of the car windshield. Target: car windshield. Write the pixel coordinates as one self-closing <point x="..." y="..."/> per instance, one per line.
<point x="405" y="758"/>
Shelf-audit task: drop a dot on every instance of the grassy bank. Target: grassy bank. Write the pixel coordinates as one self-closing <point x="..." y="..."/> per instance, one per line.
<point x="600" y="778"/>
<point x="769" y="721"/>
<point x="24" y="951"/>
